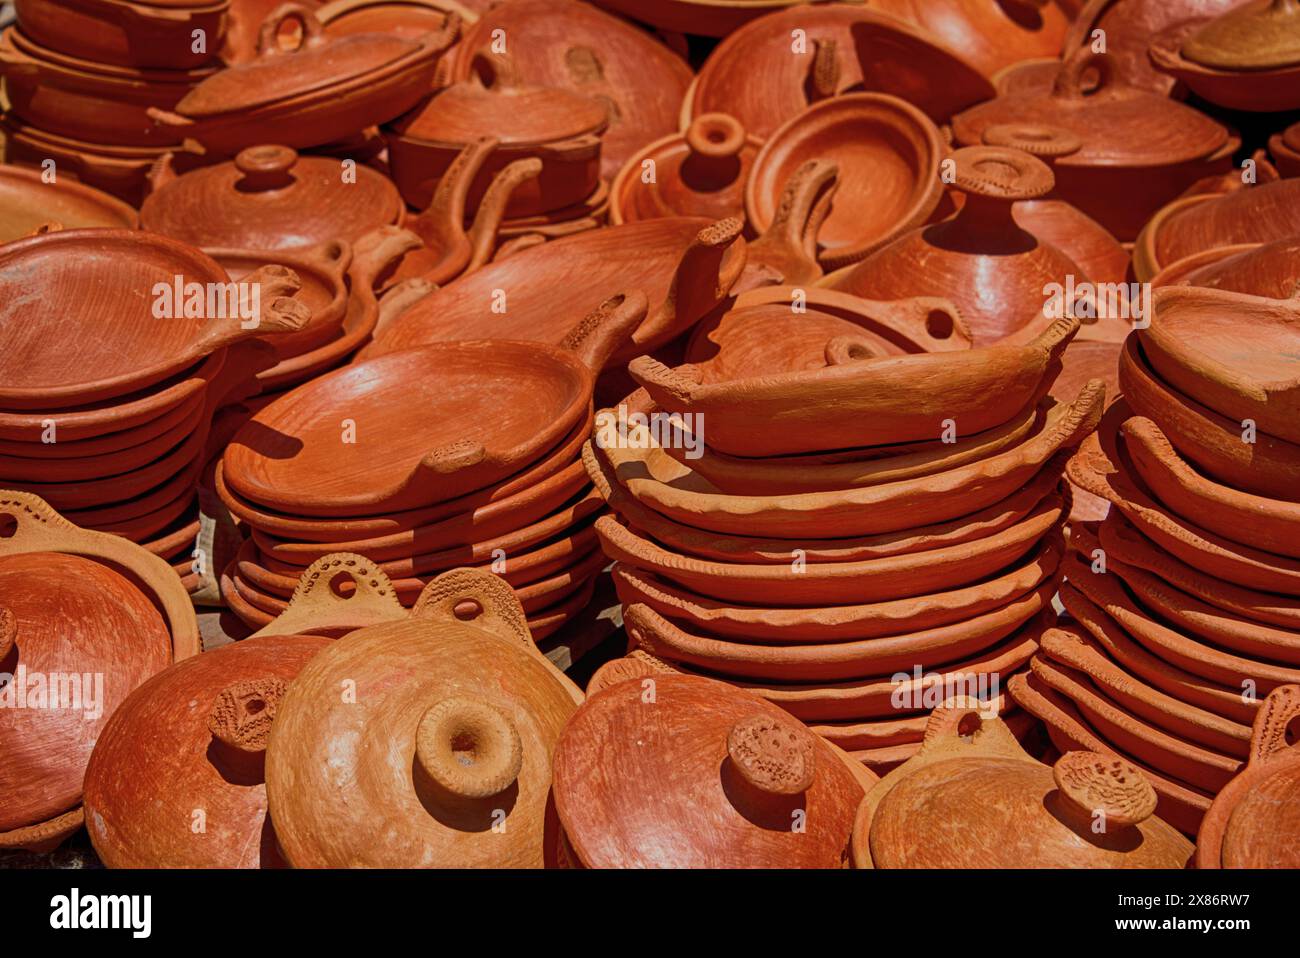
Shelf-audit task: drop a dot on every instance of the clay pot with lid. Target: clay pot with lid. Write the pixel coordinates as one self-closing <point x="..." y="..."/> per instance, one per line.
<point x="125" y="33"/>
<point x="270" y="197"/>
<point x="457" y="716"/>
<point x="749" y="769"/>
<point x="28" y="203"/>
<point x="993" y="270"/>
<point x="981" y="802"/>
<point x="557" y="126"/>
<point x="1118" y="153"/>
<point x="321" y="91"/>
<point x="1247" y="58"/>
<point x="72" y="602"/>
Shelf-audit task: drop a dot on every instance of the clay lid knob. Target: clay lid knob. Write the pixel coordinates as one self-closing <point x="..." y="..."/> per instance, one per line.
<point x="8" y="631"/>
<point x="468" y="749"/>
<point x="715" y="135"/>
<point x="1035" y="138"/>
<point x="775" y="757"/>
<point x="1001" y="173"/>
<point x="266" y="167"/>
<point x="1092" y="782"/>
<point x="241" y="716"/>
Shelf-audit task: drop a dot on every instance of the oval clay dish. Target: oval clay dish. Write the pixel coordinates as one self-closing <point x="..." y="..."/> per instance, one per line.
<point x="28" y="202"/>
<point x="1257" y="269"/>
<point x="1255" y="820"/>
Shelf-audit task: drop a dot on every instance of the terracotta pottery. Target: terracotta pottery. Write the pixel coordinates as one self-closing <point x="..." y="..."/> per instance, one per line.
<point x="1247" y="58"/>
<point x="887" y="152"/>
<point x="1261" y="214"/>
<point x="747" y="767"/>
<point x="406" y="18"/>
<point x="862" y="402"/>
<point x="323" y="90"/>
<point x="88" y="100"/>
<point x="269" y="197"/>
<point x="28" y="202"/>
<point x="684" y="265"/>
<point x="1269" y="524"/>
<point x="244" y="27"/>
<point x="824" y="624"/>
<point x="1118" y="178"/>
<point x="1090" y="245"/>
<point x="764" y="74"/>
<point x="997" y="273"/>
<point x="556" y="126"/>
<point x="1082" y="362"/>
<point x="1233" y="352"/>
<point x="1252" y="823"/>
<point x="1285" y="149"/>
<point x="787" y="253"/>
<point x="1267" y="467"/>
<point x="69" y="606"/>
<point x="194" y="736"/>
<point x="1130" y="25"/>
<point x="125" y="33"/>
<point x="1257" y="269"/>
<point x="460" y="680"/>
<point x="982" y="802"/>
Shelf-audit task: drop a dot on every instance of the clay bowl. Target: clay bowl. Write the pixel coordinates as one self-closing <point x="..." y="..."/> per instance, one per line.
<point x="126" y="33"/>
<point x="1285" y="150"/>
<point x="1267" y="524"/>
<point x="662" y="484"/>
<point x="1230" y="351"/>
<point x="1252" y="823"/>
<point x="120" y="171"/>
<point x="1253" y="89"/>
<point x="759" y="76"/>
<point x="688" y="540"/>
<point x="887" y="152"/>
<point x="789" y="626"/>
<point x="1257" y="269"/>
<point x="419" y="437"/>
<point x="57" y="269"/>
<point x="577" y="47"/>
<point x="999" y="274"/>
<point x="27" y="203"/>
<point x="833" y="583"/>
<point x="861" y="402"/>
<point x="684" y="265"/>
<point x="88" y="100"/>
<point x="1267" y="467"/>
<point x="1263" y="213"/>
<point x="1099" y="255"/>
<point x="195" y="733"/>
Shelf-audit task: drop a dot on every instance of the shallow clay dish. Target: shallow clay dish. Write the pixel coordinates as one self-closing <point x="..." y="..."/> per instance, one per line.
<point x="28" y="202"/>
<point x="1238" y="354"/>
<point x="1253" y="821"/>
<point x="156" y="35"/>
<point x="862" y="401"/>
<point x="888" y="154"/>
<point x="1257" y="269"/>
<point x="457" y="715"/>
<point x="982" y="802"/>
<point x="748" y="768"/>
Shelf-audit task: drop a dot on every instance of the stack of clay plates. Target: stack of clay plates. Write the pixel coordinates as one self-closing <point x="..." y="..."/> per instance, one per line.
<point x="111" y="375"/>
<point x="428" y="459"/>
<point x="856" y="539"/>
<point x="1186" y="597"/>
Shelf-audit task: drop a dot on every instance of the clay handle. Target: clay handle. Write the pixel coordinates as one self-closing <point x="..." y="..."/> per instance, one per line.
<point x="168" y="118"/>
<point x="278" y="311"/>
<point x="843" y="350"/>
<point x="1036" y="139"/>
<point x="702" y="279"/>
<point x="1165" y="50"/>
<point x="316" y="604"/>
<point x="772" y="756"/>
<point x="1068" y="84"/>
<point x="961" y="717"/>
<point x="479" y="598"/>
<point x="8" y="632"/>
<point x="491" y="212"/>
<point x="715" y="136"/>
<point x="442" y="224"/>
<point x="586" y="146"/>
<point x="468" y="749"/>
<point x="401" y="298"/>
<point x="268" y="35"/>
<point x="791" y="239"/>
<point x="1092" y="783"/>
<point x="1000" y="173"/>
<point x="240" y="723"/>
<point x="823" y="79"/>
<point x="607" y="328"/>
<point x="495" y="71"/>
<point x="266" y="167"/>
<point x="376" y="251"/>
<point x="1268" y="734"/>
<point x="676" y="386"/>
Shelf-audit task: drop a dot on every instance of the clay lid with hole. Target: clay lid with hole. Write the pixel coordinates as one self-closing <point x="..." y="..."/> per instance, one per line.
<point x="1263" y="35"/>
<point x="972" y="798"/>
<point x="679" y="771"/>
<point x="442" y="727"/>
<point x="75" y="633"/>
<point x="177" y="779"/>
<point x="269" y="197"/>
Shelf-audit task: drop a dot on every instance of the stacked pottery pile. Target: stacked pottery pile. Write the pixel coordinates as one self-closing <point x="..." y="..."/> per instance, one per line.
<point x="426" y="459"/>
<point x="1186" y="598"/>
<point x="839" y="521"/>
<point x="111" y="428"/>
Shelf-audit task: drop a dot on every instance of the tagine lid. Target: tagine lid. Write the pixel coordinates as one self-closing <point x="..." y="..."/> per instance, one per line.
<point x="67" y="617"/>
<point x="1263" y="35"/>
<point x="442" y="726"/>
<point x="191" y="741"/>
<point x="496" y="101"/>
<point x="270" y="197"/>
<point x="973" y="798"/>
<point x="683" y="771"/>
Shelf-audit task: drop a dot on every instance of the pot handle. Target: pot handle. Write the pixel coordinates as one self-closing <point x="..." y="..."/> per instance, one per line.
<point x="495" y="71"/>
<point x="491" y="212"/>
<point x="29" y="524"/>
<point x="268" y="35"/>
<point x="575" y="149"/>
<point x="317" y="606"/>
<point x="704" y="276"/>
<point x="1093" y="783"/>
<point x="1037" y="139"/>
<point x="1068" y="84"/>
<point x="442" y="224"/>
<point x="606" y="329"/>
<point x="1268" y="734"/>
<point x="278" y="312"/>
<point x="400" y="298"/>
<point x="792" y="236"/>
<point x="960" y="717"/>
<point x="823" y="78"/>
<point x="376" y="251"/>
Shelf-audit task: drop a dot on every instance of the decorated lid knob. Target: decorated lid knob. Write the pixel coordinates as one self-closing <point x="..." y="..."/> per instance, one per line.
<point x="715" y="136"/>
<point x="775" y="757"/>
<point x="8" y="631"/>
<point x="266" y="167"/>
<point x="1038" y="139"/>
<point x="240" y="723"/>
<point x="468" y="749"/>
<point x="1095" y="784"/>
<point x="1001" y="173"/>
